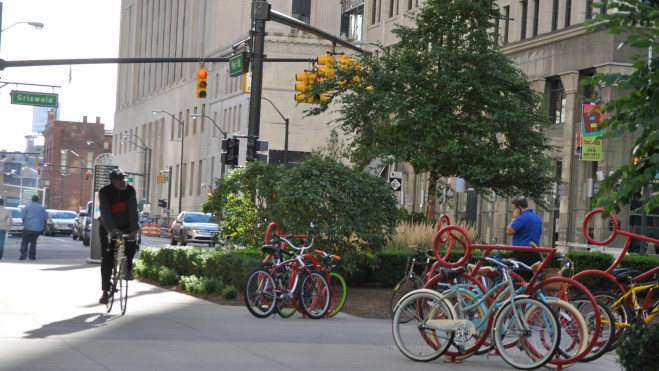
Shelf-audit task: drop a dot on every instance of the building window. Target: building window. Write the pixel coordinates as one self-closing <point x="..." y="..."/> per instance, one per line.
<point x="568" y="13"/>
<point x="589" y="9"/>
<point x="556" y="101"/>
<point x="604" y="8"/>
<point x="409" y="4"/>
<point x="301" y="10"/>
<point x="506" y="23"/>
<point x="536" y="16"/>
<point x="525" y="9"/>
<point x="554" y="16"/>
<point x="374" y="11"/>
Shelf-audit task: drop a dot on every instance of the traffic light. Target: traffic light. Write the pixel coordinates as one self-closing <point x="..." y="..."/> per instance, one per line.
<point x="202" y="74"/>
<point x="305" y="84"/>
<point x="251" y="150"/>
<point x="327" y="66"/>
<point x="87" y="173"/>
<point x="232" y="151"/>
<point x="162" y="203"/>
<point x="38" y="170"/>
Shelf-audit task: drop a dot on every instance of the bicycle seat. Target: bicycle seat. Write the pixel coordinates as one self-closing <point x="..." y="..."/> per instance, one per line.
<point x="453" y="273"/>
<point x="484" y="270"/>
<point x="624" y="274"/>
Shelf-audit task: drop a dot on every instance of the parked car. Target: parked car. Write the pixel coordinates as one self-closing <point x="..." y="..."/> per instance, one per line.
<point x="17" y="222"/>
<point x="194" y="227"/>
<point x="60" y="221"/>
<point x="79" y="226"/>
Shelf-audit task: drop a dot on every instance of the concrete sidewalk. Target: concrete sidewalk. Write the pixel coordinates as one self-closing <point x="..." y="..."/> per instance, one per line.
<point x="50" y="320"/>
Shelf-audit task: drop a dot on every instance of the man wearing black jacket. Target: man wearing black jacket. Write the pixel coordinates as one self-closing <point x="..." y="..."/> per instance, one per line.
<point x="119" y="215"/>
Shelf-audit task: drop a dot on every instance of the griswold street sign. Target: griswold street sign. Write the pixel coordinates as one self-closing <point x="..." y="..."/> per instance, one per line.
<point x="29" y="98"/>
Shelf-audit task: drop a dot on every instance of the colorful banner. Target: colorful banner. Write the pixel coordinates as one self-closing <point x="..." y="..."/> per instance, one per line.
<point x="591" y="133"/>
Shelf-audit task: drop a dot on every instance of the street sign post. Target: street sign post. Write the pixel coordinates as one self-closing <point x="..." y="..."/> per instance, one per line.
<point x="396" y="180"/>
<point x="34" y="99"/>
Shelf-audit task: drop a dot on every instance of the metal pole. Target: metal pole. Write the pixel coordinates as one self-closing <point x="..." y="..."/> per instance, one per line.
<point x="169" y="196"/>
<point x="260" y="14"/>
<point x="180" y="178"/>
<point x="148" y="175"/>
<point x="0" y="22"/>
<point x="286" y="144"/>
<point x="61" y="194"/>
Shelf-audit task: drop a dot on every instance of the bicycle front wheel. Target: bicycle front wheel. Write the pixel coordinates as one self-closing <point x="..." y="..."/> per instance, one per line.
<point x="260" y="293"/>
<point x="114" y="281"/>
<point x="526" y="333"/>
<point x="339" y="293"/>
<point x="404" y="286"/>
<point x="606" y="331"/>
<point x="314" y="294"/>
<point x="286" y="307"/>
<point x="416" y="337"/>
<point x="123" y="285"/>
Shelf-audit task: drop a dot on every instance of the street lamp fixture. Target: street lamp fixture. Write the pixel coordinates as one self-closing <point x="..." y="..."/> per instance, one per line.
<point x="180" y="178"/>
<point x="224" y="135"/>
<point x="37" y="25"/>
<point x="286" y="130"/>
<point x="147" y="163"/>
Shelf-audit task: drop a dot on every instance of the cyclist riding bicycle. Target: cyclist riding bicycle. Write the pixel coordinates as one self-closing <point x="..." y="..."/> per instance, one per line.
<point x="118" y="205"/>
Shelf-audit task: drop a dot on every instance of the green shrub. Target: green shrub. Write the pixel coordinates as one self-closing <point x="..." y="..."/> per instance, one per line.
<point x="167" y="276"/>
<point x="149" y="255"/>
<point x="640" y="262"/>
<point x="213" y="285"/>
<point x="391" y="267"/>
<point x="229" y="292"/>
<point x="232" y="267"/>
<point x="584" y="260"/>
<point x="358" y="268"/>
<point x="635" y="352"/>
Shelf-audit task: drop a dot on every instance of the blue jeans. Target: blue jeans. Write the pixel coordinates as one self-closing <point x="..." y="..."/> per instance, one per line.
<point x="3" y="234"/>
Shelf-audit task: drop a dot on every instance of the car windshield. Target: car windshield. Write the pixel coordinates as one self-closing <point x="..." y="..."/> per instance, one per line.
<point x="15" y="213"/>
<point x="199" y="218"/>
<point x="64" y="215"/>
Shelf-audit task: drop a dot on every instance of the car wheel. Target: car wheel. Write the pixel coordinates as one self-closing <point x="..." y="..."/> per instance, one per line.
<point x="183" y="242"/>
<point x="74" y="236"/>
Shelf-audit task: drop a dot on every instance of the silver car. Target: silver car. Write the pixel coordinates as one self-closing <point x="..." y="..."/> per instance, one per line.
<point x="194" y="227"/>
<point x="17" y="222"/>
<point x="59" y="221"/>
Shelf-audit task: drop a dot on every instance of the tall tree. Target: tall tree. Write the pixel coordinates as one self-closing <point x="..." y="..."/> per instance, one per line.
<point x="445" y="100"/>
<point x="636" y="112"/>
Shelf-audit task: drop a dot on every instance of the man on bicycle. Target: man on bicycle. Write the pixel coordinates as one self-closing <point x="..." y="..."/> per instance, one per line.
<point x="119" y="215"/>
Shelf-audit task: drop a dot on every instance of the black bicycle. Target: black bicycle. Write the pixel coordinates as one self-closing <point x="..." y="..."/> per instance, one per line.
<point x="118" y="279"/>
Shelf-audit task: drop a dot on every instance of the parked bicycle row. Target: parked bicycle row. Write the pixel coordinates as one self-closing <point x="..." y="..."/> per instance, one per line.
<point x="292" y="279"/>
<point x="482" y="304"/>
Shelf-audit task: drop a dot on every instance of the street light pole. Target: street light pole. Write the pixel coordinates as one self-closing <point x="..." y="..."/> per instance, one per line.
<point x="224" y="136"/>
<point x="180" y="180"/>
<point x="286" y="130"/>
<point x="147" y="165"/>
<point x="63" y="151"/>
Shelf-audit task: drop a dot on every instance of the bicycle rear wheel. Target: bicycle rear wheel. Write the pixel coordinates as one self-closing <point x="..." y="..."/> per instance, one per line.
<point x="114" y="279"/>
<point x="339" y="293"/>
<point x="404" y="286"/>
<point x="622" y="314"/>
<point x="574" y="334"/>
<point x="526" y="333"/>
<point x="314" y="294"/>
<point x="260" y="293"/>
<point x="286" y="307"/>
<point x="607" y="327"/>
<point x="123" y="285"/>
<point x="415" y="338"/>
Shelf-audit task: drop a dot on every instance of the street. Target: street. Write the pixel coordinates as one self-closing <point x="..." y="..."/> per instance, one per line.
<point x="50" y="320"/>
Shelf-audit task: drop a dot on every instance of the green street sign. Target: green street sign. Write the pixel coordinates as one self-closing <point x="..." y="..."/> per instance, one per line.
<point x="29" y="98"/>
<point x="129" y="180"/>
<point x="238" y="64"/>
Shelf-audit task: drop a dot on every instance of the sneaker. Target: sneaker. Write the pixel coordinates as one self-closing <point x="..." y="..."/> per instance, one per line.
<point x="104" y="298"/>
<point x="21" y="258"/>
<point x="33" y="258"/>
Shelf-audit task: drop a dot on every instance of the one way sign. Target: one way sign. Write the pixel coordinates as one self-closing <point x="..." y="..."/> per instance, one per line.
<point x="396" y="180"/>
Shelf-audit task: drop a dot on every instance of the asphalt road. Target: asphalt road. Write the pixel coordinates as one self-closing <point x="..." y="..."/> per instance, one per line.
<point x="50" y="320"/>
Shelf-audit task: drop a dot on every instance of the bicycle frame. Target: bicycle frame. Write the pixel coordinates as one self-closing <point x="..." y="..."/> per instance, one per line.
<point x="638" y="311"/>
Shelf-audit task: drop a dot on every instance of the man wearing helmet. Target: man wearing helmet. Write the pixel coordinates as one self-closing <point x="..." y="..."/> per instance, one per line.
<point x="119" y="215"/>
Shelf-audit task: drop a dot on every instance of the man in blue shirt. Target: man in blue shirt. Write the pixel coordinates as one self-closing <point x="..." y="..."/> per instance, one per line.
<point x="526" y="229"/>
<point x="34" y="219"/>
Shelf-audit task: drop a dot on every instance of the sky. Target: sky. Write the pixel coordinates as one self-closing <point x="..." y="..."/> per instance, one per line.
<point x="73" y="29"/>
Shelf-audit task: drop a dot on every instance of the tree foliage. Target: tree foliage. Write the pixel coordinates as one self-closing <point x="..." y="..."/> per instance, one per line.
<point x="636" y="112"/>
<point x="350" y="207"/>
<point x="445" y="100"/>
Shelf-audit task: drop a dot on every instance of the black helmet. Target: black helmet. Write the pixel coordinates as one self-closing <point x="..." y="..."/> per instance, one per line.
<point x="117" y="174"/>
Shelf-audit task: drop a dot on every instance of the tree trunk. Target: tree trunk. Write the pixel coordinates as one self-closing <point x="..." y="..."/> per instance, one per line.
<point x="430" y="197"/>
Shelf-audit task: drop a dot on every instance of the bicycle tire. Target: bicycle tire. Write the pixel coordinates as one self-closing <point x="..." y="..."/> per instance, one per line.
<point x="407" y="284"/>
<point x="339" y="293"/>
<point x="313" y="294"/>
<point x="415" y="339"/>
<point x="532" y="345"/>
<point x="607" y="327"/>
<point x="260" y="293"/>
<point x="466" y="344"/>
<point x="286" y="307"/>
<point x="574" y="334"/>
<point x="123" y="285"/>
<point x="621" y="312"/>
<point x="114" y="278"/>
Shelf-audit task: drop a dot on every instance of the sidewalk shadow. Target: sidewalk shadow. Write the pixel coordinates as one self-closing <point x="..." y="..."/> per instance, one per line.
<point x="71" y="325"/>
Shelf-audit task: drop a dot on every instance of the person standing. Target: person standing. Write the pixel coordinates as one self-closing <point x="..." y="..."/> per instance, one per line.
<point x="119" y="215"/>
<point x="526" y="229"/>
<point x="6" y="221"/>
<point x="34" y="218"/>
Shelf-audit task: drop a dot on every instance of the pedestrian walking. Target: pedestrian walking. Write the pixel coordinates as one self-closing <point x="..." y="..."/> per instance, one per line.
<point x="5" y="225"/>
<point x="34" y="220"/>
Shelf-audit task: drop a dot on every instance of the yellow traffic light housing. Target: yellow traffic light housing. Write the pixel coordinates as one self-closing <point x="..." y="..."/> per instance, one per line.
<point x="305" y="81"/>
<point x="202" y="74"/>
<point x="326" y="66"/>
